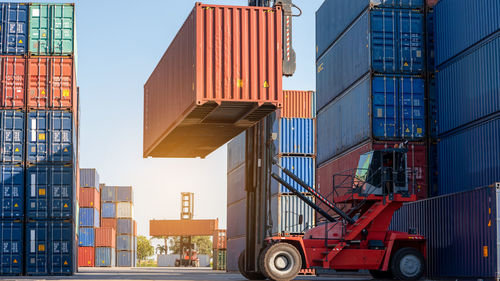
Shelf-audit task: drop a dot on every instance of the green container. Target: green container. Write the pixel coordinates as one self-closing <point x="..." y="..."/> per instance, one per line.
<point x="51" y="29"/>
<point x="219" y="260"/>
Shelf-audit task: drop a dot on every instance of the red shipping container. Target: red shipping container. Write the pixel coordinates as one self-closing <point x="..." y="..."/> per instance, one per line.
<point x="135" y="228"/>
<point x="221" y="74"/>
<point x="13" y="86"/>
<point x="89" y="198"/>
<point x="298" y="104"/>
<point x="51" y="83"/>
<point x="108" y="223"/>
<point x="105" y="237"/>
<point x="86" y="256"/>
<point x="345" y="164"/>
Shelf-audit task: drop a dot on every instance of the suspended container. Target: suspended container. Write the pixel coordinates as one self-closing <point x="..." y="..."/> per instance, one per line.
<point x="11" y="239"/>
<point x="385" y="41"/>
<point x="470" y="157"/>
<point x="49" y="192"/>
<point x="11" y="191"/>
<point x="108" y="210"/>
<point x="108" y="194"/>
<point x="105" y="257"/>
<point x="295" y="135"/>
<point x="50" y="137"/>
<point x="12" y="136"/>
<point x="384" y="108"/>
<point x="333" y="17"/>
<point x="86" y="256"/>
<point x="301" y="166"/>
<point x="124" y="194"/>
<point x="213" y="83"/>
<point x="52" y="29"/>
<point x="14" y="28"/>
<point x="89" y="178"/>
<point x="13" y="75"/>
<point x="86" y="236"/>
<point x="124" y="210"/>
<point x="51" y="83"/>
<point x="461" y="231"/>
<point x="124" y="226"/>
<point x="89" y="217"/>
<point x="298" y="104"/>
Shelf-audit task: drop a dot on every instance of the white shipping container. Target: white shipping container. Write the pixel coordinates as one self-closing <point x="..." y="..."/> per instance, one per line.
<point x="124" y="210"/>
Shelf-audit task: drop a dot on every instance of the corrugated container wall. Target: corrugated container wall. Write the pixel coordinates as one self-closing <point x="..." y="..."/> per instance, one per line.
<point x="13" y="35"/>
<point x="124" y="258"/>
<point x="235" y="213"/>
<point x="108" y="210"/>
<point x="287" y="209"/>
<point x="86" y="256"/>
<point x="468" y="88"/>
<point x="302" y="166"/>
<point x="461" y="231"/>
<point x="236" y="185"/>
<point x="295" y="135"/>
<point x="234" y="249"/>
<point x="394" y="45"/>
<point x="105" y="237"/>
<point x="211" y="74"/>
<point x="236" y="152"/>
<point x="89" y="217"/>
<point x="86" y="236"/>
<point x="105" y="257"/>
<point x="12" y="136"/>
<point x="381" y="108"/>
<point x="124" y="194"/>
<point x="51" y="29"/>
<point x="124" y="242"/>
<point x="470" y="157"/>
<point x="13" y="75"/>
<point x="89" y="178"/>
<point x="11" y="237"/>
<point x="333" y="16"/>
<point x="124" y="210"/>
<point x="90" y="198"/>
<point x="11" y="191"/>
<point x="298" y="104"/>
<point x="108" y="194"/>
<point x="108" y="222"/>
<point x="461" y="24"/>
<point x="124" y="226"/>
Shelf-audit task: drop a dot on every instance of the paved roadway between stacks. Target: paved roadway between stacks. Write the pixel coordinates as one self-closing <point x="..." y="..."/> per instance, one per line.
<point x="174" y="274"/>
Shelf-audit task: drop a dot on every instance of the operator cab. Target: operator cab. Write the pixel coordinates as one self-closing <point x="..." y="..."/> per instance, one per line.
<point x="382" y="172"/>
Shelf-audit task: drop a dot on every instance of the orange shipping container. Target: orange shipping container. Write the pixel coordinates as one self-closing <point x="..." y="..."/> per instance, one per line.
<point x="298" y="104"/>
<point x="51" y="83"/>
<point x="86" y="256"/>
<point x="12" y="83"/>
<point x="89" y="198"/>
<point x="105" y="237"/>
<point x="182" y="227"/>
<point x="108" y="223"/>
<point x="219" y="239"/>
<point x="135" y="228"/>
<point x="221" y="74"/>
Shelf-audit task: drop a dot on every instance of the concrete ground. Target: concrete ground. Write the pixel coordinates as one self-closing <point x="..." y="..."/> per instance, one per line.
<point x="174" y="274"/>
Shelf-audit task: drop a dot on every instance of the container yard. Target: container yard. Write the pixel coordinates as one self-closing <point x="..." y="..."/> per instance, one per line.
<point x="250" y="140"/>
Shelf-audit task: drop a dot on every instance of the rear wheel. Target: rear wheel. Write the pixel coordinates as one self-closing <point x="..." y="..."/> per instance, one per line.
<point x="248" y="275"/>
<point x="408" y="264"/>
<point x="280" y="262"/>
<point x="377" y="274"/>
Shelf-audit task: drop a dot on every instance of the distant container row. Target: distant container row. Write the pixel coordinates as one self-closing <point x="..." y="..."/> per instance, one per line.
<point x="46" y="249"/>
<point x="117" y="194"/>
<point x="37" y="29"/>
<point x="48" y="136"/>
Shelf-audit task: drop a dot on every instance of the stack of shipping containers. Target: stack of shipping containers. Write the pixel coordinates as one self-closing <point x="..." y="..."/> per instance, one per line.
<point x="117" y="213"/>
<point x="461" y="223"/>
<point x="39" y="129"/>
<point x="89" y="202"/>
<point x="219" y="260"/>
<point x="370" y="87"/>
<point x="294" y="145"/>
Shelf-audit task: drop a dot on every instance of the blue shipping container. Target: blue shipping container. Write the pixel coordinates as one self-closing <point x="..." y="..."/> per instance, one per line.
<point x="108" y="210"/>
<point x="236" y="152"/>
<point x="50" y="136"/>
<point x="12" y="135"/>
<point x="89" y="217"/>
<point x="37" y="248"/>
<point x="13" y="35"/>
<point x="86" y="237"/>
<point x="124" y="242"/>
<point x="469" y="88"/>
<point x="89" y="178"/>
<point x="295" y="135"/>
<point x="11" y="252"/>
<point x="302" y="166"/>
<point x="470" y="158"/>
<point x="49" y="192"/>
<point x="105" y="257"/>
<point x="11" y="191"/>
<point x="335" y="15"/>
<point x="394" y="45"/>
<point x="124" y="226"/>
<point x="461" y="232"/>
<point x="461" y="24"/>
<point x="61" y="248"/>
<point x="124" y="258"/>
<point x="382" y="108"/>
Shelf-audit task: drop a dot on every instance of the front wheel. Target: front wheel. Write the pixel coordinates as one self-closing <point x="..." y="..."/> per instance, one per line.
<point x="408" y="264"/>
<point x="280" y="262"/>
<point x="248" y="275"/>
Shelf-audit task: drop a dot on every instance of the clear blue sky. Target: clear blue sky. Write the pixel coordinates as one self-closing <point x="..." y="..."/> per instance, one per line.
<point x="119" y="44"/>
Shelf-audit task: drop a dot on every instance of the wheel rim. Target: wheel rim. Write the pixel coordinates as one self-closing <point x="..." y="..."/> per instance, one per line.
<point x="281" y="262"/>
<point x="410" y="266"/>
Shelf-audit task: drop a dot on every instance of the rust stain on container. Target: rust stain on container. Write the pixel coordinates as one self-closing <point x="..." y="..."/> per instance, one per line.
<point x="221" y="74"/>
<point x="298" y="104"/>
<point x="182" y="227"/>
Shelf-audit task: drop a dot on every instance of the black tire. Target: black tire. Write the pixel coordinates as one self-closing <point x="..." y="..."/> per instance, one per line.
<point x="377" y="274"/>
<point x="280" y="262"/>
<point x="407" y="264"/>
<point x="248" y="275"/>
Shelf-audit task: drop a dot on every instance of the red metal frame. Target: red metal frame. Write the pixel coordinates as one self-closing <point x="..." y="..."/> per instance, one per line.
<point x="345" y="246"/>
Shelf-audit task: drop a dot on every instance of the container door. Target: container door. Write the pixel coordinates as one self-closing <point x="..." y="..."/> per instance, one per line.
<point x="384" y="102"/>
<point x="61" y="137"/>
<point x="13" y="75"/>
<point x="38" y="136"/>
<point x="12" y="191"/>
<point x="12" y="135"/>
<point x="37" y="257"/>
<point x="61" y="249"/>
<point x="412" y="104"/>
<point x="61" y="76"/>
<point x="61" y="192"/>
<point x="38" y="83"/>
<point x="61" y="22"/>
<point x="383" y="40"/>
<point x="39" y="29"/>
<point x="411" y="41"/>
<point x="37" y="192"/>
<point x="14" y="27"/>
<point x="11" y="252"/>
